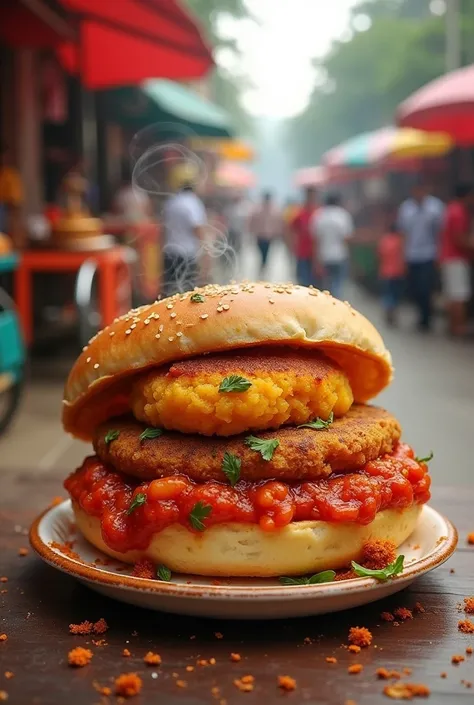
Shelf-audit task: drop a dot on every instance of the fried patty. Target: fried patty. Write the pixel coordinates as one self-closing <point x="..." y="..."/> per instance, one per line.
<point x="363" y="434"/>
<point x="287" y="387"/>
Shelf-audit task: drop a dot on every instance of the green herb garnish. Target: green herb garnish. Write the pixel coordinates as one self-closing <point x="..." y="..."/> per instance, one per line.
<point x="197" y="298"/>
<point x="318" y="424"/>
<point x="137" y="501"/>
<point x="199" y="512"/>
<point x="149" y="433"/>
<point x="327" y="576"/>
<point x="163" y="573"/>
<point x="110" y="436"/>
<point x="425" y="460"/>
<point x="234" y="383"/>
<point x="231" y="465"/>
<point x="384" y="574"/>
<point x="266" y="448"/>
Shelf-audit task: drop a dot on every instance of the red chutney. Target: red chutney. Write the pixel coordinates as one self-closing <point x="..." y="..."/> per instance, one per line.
<point x="393" y="481"/>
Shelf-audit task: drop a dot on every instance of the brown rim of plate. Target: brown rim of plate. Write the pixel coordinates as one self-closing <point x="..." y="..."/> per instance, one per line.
<point x="443" y="550"/>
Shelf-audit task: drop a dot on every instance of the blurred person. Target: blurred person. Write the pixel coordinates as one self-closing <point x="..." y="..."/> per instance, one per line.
<point x="391" y="271"/>
<point x="184" y="221"/>
<point x="332" y="227"/>
<point x="11" y="198"/>
<point x="237" y="214"/>
<point x="266" y="224"/>
<point x="420" y="219"/>
<point x="455" y="256"/>
<point x="302" y="241"/>
<point x="132" y="204"/>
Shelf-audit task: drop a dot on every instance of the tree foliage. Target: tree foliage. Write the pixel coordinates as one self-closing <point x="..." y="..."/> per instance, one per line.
<point x="368" y="76"/>
<point x="226" y="87"/>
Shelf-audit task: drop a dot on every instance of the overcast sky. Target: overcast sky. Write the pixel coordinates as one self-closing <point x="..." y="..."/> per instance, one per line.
<point x="277" y="54"/>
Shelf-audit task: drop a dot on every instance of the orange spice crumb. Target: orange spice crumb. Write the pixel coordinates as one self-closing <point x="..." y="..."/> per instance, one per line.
<point x="4" y="579"/>
<point x="466" y="684"/>
<point x="99" y="642"/>
<point x="55" y="501"/>
<point x="235" y="657"/>
<point x="403" y="613"/>
<point x="469" y="605"/>
<point x="79" y="657"/>
<point x="9" y="674"/>
<point x="100" y="627"/>
<point x="457" y="658"/>
<point x="3" y="695"/>
<point x="245" y="684"/>
<point x="387" y="617"/>
<point x="152" y="659"/>
<point x="331" y="659"/>
<point x="144" y="569"/>
<point x="128" y="684"/>
<point x="407" y="671"/>
<point x="102" y="689"/>
<point x="215" y="691"/>
<point x="418" y="608"/>
<point x="3" y="637"/>
<point x="354" y="648"/>
<point x="84" y="628"/>
<point x="350" y="702"/>
<point x="286" y="683"/>
<point x="406" y="691"/>
<point x="360" y="636"/>
<point x="378" y="554"/>
<point x="218" y="635"/>
<point x="190" y="669"/>
<point x="181" y="684"/>
<point x="443" y="674"/>
<point x="345" y="574"/>
<point x="66" y="549"/>
<point x="469" y="650"/>
<point x="23" y="551"/>
<point x="126" y="653"/>
<point x="385" y="675"/>
<point x="470" y="538"/>
<point x="466" y="626"/>
<point x="355" y="668"/>
<point x="307" y="640"/>
<point x="212" y="661"/>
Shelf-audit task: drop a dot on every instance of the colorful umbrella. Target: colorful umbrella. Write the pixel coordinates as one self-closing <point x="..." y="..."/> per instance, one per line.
<point x="386" y="145"/>
<point x="446" y="104"/>
<point x="233" y="175"/>
<point x="312" y="176"/>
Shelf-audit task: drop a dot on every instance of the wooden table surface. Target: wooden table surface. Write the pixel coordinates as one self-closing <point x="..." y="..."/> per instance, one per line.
<point x="40" y="603"/>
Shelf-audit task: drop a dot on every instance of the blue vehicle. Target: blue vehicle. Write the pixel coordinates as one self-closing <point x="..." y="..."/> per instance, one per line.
<point x="12" y="350"/>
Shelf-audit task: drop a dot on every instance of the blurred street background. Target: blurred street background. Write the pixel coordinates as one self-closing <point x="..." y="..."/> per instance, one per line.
<point x="149" y="147"/>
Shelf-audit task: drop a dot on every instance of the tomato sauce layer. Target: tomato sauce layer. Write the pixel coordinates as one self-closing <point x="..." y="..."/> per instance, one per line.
<point x="394" y="481"/>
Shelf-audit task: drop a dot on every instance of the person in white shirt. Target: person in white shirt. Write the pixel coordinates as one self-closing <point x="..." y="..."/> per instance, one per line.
<point x="184" y="221"/>
<point x="332" y="227"/>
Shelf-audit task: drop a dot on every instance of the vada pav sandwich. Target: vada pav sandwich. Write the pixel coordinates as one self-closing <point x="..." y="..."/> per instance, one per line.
<point x="232" y="436"/>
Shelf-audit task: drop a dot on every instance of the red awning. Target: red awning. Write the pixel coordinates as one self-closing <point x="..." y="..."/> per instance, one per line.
<point x="444" y="105"/>
<point x="118" y="43"/>
<point x="127" y="41"/>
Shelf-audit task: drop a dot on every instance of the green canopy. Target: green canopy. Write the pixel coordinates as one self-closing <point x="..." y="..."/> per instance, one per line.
<point x="178" y="109"/>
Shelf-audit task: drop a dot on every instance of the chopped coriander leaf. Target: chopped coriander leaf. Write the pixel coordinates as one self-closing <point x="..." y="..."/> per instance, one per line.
<point x="318" y="424"/>
<point x="111" y="435"/>
<point x="163" y="573"/>
<point x="149" y="433"/>
<point x="199" y="512"/>
<point x="266" y="447"/>
<point x="426" y="459"/>
<point x="231" y="465"/>
<point x="234" y="383"/>
<point x="327" y="576"/>
<point x="137" y="501"/>
<point x="197" y="298"/>
<point x="384" y="574"/>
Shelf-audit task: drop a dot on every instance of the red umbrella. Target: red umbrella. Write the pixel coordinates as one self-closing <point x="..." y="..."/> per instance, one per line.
<point x="444" y="105"/>
<point x="118" y="42"/>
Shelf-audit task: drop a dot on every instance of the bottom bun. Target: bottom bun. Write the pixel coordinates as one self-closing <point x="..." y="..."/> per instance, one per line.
<point x="244" y="550"/>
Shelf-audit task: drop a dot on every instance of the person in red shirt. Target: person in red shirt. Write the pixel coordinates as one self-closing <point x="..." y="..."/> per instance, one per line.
<point x="455" y="255"/>
<point x="303" y="242"/>
<point x="392" y="270"/>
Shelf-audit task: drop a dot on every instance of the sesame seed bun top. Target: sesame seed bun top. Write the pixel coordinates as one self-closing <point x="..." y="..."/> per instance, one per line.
<point x="217" y="318"/>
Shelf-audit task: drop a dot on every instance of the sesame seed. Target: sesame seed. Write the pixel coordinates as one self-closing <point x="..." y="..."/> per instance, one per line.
<point x="147" y="321"/>
<point x="128" y="331"/>
<point x="169" y="306"/>
<point x="85" y="348"/>
<point x="157" y="336"/>
<point x="204" y="315"/>
<point x="173" y="315"/>
<point x="179" y="334"/>
<point x="171" y="338"/>
<point x="96" y="366"/>
<point x="112" y="332"/>
<point x="134" y="325"/>
<point x="272" y="301"/>
<point x="161" y="328"/>
<point x="88" y="359"/>
<point x="226" y="307"/>
<point x="219" y="309"/>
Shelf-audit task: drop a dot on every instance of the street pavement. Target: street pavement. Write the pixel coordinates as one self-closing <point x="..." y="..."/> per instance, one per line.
<point x="432" y="394"/>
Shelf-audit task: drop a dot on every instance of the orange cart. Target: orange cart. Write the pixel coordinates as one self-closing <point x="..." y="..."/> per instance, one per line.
<point x="112" y="265"/>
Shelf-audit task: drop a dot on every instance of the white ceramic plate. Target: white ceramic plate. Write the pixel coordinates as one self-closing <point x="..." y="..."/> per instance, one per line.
<point x="433" y="541"/>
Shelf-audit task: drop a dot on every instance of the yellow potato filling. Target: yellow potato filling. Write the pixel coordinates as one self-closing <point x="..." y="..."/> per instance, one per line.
<point x="194" y="404"/>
